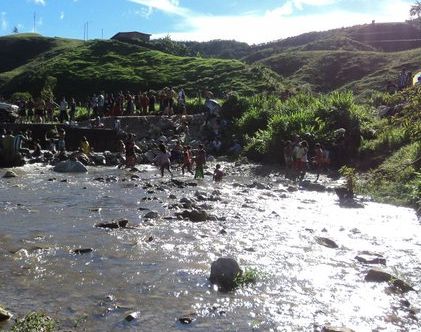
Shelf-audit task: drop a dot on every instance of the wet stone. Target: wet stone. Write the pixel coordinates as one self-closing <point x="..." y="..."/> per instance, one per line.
<point x="336" y="329"/>
<point x="4" y="314"/>
<point x="375" y="275"/>
<point x="122" y="223"/>
<point x="224" y="271"/>
<point x="326" y="242"/>
<point x="82" y="251"/>
<point x="373" y="259"/>
<point x="151" y="215"/>
<point x="132" y="316"/>
<point x="195" y="215"/>
<point x="9" y="175"/>
<point x="185" y="320"/>
<point x="311" y="186"/>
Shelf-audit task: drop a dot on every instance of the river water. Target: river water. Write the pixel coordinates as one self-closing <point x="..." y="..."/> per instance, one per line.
<point x="160" y="268"/>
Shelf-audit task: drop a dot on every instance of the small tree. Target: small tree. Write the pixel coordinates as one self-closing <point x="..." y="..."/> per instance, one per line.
<point x="416" y="9"/>
<point x="15" y="30"/>
<point x="47" y="91"/>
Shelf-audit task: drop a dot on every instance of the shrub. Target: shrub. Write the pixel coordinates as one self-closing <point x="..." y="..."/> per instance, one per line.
<point x="20" y="96"/>
<point x="34" y="322"/>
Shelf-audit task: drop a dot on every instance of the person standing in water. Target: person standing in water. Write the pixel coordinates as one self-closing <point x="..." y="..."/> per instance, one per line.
<point x="130" y="151"/>
<point x="200" y="161"/>
<point x="218" y="173"/>
<point x="163" y="159"/>
<point x="187" y="160"/>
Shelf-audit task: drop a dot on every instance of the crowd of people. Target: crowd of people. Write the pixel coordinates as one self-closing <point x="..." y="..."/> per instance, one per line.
<point x="297" y="161"/>
<point x="209" y="138"/>
<point x="166" y="102"/>
<point x="14" y="148"/>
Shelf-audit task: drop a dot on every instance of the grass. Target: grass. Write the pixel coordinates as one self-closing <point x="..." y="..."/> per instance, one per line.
<point x="249" y="276"/>
<point x="108" y="65"/>
<point x="398" y="179"/>
<point x="34" y="322"/>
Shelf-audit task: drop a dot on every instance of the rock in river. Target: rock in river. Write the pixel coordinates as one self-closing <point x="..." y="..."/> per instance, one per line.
<point x="336" y="329"/>
<point x="122" y="223"/>
<point x="375" y="275"/>
<point x="133" y="316"/>
<point x="151" y="215"/>
<point x="9" y="174"/>
<point x="81" y="251"/>
<point x="70" y="166"/>
<point x="4" y="314"/>
<point x="195" y="215"/>
<point x="224" y="271"/>
<point x="370" y="259"/>
<point x="326" y="242"/>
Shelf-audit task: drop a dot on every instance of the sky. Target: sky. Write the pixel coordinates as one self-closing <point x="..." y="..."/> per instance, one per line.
<point x="251" y="21"/>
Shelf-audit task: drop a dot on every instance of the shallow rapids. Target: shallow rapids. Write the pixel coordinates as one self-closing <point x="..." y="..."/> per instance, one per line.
<point x="160" y="267"/>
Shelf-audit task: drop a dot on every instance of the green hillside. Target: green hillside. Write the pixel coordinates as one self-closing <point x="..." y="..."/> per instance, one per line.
<point x="83" y="68"/>
<point x="360" y="58"/>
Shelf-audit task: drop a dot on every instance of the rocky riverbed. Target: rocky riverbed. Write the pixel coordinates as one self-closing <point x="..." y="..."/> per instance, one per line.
<point x="313" y="257"/>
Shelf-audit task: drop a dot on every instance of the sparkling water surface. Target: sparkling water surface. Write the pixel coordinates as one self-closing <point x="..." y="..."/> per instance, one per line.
<point x="160" y="267"/>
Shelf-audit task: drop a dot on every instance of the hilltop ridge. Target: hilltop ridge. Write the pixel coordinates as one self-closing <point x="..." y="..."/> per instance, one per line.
<point x="360" y="58"/>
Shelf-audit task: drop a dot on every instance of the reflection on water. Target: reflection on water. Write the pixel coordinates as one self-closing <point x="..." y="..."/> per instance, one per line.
<point x="160" y="268"/>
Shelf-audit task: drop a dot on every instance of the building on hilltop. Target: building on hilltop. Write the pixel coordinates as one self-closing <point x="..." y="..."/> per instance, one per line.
<point x="132" y="36"/>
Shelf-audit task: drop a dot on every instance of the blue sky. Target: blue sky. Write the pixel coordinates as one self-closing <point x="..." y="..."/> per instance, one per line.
<point x="252" y="21"/>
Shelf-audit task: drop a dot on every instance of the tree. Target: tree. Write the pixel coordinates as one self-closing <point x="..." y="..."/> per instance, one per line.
<point x="15" y="30"/>
<point x="416" y="9"/>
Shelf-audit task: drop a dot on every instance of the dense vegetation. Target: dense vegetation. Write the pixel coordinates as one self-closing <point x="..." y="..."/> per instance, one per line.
<point x="388" y="147"/>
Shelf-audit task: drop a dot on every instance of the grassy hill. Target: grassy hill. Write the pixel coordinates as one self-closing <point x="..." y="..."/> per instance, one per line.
<point x="83" y="68"/>
<point x="360" y="58"/>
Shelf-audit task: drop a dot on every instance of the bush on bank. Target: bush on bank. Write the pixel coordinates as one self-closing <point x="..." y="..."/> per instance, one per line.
<point x="389" y="147"/>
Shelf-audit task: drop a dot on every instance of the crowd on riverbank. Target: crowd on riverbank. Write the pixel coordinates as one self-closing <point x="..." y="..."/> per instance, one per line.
<point x="167" y="101"/>
<point x="297" y="155"/>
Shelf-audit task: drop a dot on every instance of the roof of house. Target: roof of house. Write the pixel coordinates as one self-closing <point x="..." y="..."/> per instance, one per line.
<point x="131" y="33"/>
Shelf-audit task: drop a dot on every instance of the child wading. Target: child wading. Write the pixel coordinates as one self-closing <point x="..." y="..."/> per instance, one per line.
<point x="218" y="173"/>
<point x="300" y="159"/>
<point x="130" y="151"/>
<point x="187" y="160"/>
<point x="163" y="159"/>
<point x="200" y="162"/>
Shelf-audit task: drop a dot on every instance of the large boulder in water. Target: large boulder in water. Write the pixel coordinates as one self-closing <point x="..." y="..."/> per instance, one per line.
<point x="375" y="275"/>
<point x="224" y="271"/>
<point x="70" y="166"/>
<point x="4" y="315"/>
<point x="9" y="174"/>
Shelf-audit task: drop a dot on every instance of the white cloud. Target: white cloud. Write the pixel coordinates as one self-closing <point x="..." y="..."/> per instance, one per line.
<point x="167" y="6"/>
<point x="62" y="15"/>
<point x="3" y="21"/>
<point x="280" y="23"/>
<point x="143" y="12"/>
<point x="291" y="5"/>
<point x="40" y="2"/>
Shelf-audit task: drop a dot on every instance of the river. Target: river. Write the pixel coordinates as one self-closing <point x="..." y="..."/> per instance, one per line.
<point x="160" y="268"/>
